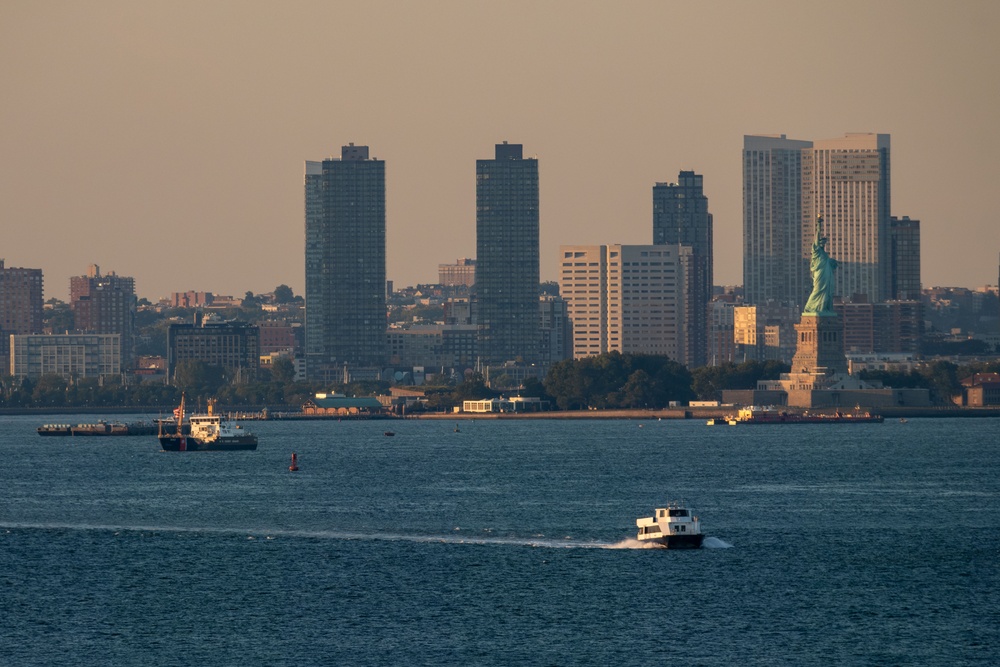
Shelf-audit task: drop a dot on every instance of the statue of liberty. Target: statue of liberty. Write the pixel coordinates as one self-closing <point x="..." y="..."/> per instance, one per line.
<point x="822" y="267"/>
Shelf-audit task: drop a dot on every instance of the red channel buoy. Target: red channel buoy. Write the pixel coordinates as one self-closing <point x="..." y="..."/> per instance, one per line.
<point x="295" y="463"/>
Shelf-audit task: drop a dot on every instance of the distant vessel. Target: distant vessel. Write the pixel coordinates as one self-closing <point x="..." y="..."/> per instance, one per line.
<point x="55" y="429"/>
<point x="207" y="432"/>
<point x="771" y="415"/>
<point x="101" y="428"/>
<point x="672" y="527"/>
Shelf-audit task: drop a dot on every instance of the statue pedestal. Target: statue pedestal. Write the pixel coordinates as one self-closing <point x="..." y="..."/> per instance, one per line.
<point x="820" y="346"/>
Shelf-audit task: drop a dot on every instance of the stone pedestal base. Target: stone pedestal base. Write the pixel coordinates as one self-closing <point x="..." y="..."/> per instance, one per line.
<point x="820" y="347"/>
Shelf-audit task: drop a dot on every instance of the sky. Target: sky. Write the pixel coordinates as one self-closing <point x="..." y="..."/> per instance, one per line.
<point x="166" y="140"/>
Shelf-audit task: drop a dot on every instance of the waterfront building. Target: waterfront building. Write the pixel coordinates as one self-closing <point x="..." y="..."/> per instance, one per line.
<point x="627" y="298"/>
<point x="904" y="242"/>
<point x="20" y="306"/>
<point x="507" y="261"/>
<point x="681" y="217"/>
<point x="105" y="304"/>
<point x="232" y="346"/>
<point x="73" y="356"/>
<point x="437" y="347"/>
<point x="345" y="295"/>
<point x="460" y="274"/>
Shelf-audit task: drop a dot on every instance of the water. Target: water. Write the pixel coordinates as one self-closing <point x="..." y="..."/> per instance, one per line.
<point x="508" y="543"/>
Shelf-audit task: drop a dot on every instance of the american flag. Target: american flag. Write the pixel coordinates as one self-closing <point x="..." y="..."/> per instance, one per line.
<point x="177" y="413"/>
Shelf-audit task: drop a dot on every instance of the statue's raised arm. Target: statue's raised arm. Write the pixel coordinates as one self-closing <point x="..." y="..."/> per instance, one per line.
<point x="822" y="267"/>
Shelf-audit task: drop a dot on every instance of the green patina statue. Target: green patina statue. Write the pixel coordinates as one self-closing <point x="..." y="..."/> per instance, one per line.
<point x="822" y="267"/>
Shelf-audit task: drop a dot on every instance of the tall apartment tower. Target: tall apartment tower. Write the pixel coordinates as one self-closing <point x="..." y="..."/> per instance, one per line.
<point x="774" y="267"/>
<point x="626" y="298"/>
<point x="846" y="181"/>
<point x="507" y="256"/>
<point x="681" y="217"/>
<point x="786" y="185"/>
<point x="904" y="242"/>
<point x="105" y="304"/>
<point x="20" y="307"/>
<point x="345" y="264"/>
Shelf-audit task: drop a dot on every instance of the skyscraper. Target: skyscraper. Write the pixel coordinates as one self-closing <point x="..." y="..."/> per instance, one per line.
<point x="846" y="181"/>
<point x="345" y="264"/>
<point x="774" y="267"/>
<point x="786" y="185"/>
<point x="507" y="256"/>
<point x="681" y="217"/>
<point x="904" y="241"/>
<point x="20" y="307"/>
<point x="105" y="304"/>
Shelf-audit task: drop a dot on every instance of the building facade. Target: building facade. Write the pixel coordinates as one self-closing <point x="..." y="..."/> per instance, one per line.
<point x="73" y="356"/>
<point x="904" y="243"/>
<point x="774" y="266"/>
<point x="629" y="299"/>
<point x="846" y="180"/>
<point x="681" y="217"/>
<point x="460" y="274"/>
<point x="786" y="185"/>
<point x="345" y="264"/>
<point x="105" y="304"/>
<point x="507" y="260"/>
<point x="20" y="306"/>
<point x="233" y="346"/>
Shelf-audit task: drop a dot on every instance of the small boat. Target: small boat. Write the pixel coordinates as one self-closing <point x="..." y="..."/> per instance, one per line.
<point x="902" y="420"/>
<point x="672" y="527"/>
<point x="389" y="433"/>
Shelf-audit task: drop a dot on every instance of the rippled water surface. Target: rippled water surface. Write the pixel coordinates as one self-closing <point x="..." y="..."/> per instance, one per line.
<point x="506" y="543"/>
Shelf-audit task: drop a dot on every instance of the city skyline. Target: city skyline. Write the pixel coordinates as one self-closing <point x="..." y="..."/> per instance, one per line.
<point x="140" y="137"/>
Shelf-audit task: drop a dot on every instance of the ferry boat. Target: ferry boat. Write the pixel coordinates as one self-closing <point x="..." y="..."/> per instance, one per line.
<point x="771" y="415"/>
<point x="672" y="527"/>
<point x="207" y="432"/>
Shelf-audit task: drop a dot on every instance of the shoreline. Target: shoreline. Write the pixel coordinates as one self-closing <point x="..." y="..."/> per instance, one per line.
<point x="245" y="412"/>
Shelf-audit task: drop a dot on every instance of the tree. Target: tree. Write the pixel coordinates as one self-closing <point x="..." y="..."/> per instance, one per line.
<point x="283" y="294"/>
<point x="197" y="378"/>
<point x="250" y="302"/>
<point x="283" y="371"/>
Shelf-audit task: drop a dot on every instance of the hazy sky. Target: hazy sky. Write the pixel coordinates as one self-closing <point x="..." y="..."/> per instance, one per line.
<point x="166" y="140"/>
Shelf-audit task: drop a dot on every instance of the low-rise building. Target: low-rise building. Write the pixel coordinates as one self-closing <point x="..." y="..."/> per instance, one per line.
<point x="72" y="356"/>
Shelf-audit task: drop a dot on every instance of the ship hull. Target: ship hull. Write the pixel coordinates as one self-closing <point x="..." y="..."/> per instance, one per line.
<point x="678" y="541"/>
<point x="175" y="443"/>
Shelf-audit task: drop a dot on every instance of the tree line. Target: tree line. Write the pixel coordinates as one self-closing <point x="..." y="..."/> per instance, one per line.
<point x="607" y="381"/>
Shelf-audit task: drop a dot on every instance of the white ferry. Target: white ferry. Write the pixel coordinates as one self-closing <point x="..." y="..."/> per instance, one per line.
<point x="672" y="527"/>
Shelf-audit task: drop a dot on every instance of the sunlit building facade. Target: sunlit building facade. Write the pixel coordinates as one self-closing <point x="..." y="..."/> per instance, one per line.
<point x="345" y="264"/>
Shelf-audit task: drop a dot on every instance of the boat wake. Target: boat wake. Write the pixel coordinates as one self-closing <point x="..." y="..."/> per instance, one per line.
<point x="715" y="543"/>
<point x="457" y="537"/>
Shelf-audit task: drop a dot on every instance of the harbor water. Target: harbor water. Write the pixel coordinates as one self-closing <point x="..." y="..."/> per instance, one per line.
<point x="504" y="542"/>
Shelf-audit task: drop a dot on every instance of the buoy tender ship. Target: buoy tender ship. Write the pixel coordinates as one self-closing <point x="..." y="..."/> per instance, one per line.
<point x="207" y="432"/>
<point x="671" y="527"/>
